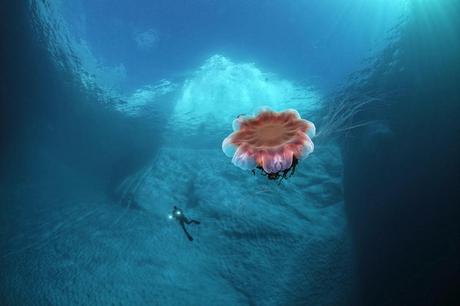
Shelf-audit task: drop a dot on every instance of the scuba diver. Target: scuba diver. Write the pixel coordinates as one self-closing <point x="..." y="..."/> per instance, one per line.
<point x="178" y="214"/>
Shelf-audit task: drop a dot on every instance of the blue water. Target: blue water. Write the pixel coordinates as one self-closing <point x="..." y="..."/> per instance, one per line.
<point x="114" y="112"/>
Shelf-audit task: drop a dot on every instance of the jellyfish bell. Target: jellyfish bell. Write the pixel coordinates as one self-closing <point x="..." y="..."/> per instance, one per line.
<point x="271" y="141"/>
<point x="236" y="123"/>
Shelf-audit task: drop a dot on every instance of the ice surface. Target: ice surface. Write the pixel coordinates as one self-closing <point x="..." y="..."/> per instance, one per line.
<point x="139" y="102"/>
<point x="258" y="242"/>
<point x="268" y="244"/>
<point x="221" y="89"/>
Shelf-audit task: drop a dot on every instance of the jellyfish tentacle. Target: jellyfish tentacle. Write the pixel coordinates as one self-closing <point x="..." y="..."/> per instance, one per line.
<point x="340" y="116"/>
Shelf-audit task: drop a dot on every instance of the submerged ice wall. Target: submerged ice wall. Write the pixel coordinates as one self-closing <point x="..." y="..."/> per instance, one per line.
<point x="402" y="186"/>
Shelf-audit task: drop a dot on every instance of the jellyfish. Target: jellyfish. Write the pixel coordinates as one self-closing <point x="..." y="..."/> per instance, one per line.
<point x="271" y="141"/>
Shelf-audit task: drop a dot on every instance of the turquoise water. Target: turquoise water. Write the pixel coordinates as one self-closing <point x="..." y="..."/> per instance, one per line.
<point x="113" y="113"/>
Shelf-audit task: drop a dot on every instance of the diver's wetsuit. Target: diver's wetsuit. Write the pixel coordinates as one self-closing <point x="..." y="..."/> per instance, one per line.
<point x="178" y="214"/>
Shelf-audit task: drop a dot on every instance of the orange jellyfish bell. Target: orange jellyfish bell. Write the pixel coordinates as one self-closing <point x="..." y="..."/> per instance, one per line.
<point x="271" y="141"/>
